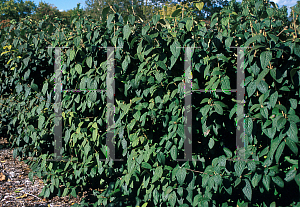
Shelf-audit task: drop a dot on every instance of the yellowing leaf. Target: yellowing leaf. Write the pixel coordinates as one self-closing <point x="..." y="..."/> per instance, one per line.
<point x="19" y="57"/>
<point x="200" y="6"/>
<point x="4" y="52"/>
<point x="9" y="47"/>
<point x="12" y="68"/>
<point x="9" y="61"/>
<point x="145" y="204"/>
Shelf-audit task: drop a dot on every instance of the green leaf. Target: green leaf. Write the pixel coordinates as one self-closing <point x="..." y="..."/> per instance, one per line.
<point x="30" y="176"/>
<point x="239" y="167"/>
<point x="218" y="109"/>
<point x="126" y="32"/>
<point x="172" y="199"/>
<point x="251" y="40"/>
<point x="66" y="191"/>
<point x="176" y="13"/>
<point x="266" y="182"/>
<point x="137" y="115"/>
<point x="77" y="41"/>
<point x="35" y="87"/>
<point x="255" y="69"/>
<point x="247" y="190"/>
<point x="227" y="152"/>
<point x="265" y="58"/>
<point x="95" y="135"/>
<point x="162" y="65"/>
<point x="47" y="193"/>
<point x="278" y="181"/>
<point x="273" y="99"/>
<point x="248" y="126"/>
<point x="104" y="12"/>
<point x="157" y="174"/>
<point x="262" y="75"/>
<point x="297" y="179"/>
<point x="189" y="25"/>
<point x="72" y="55"/>
<point x="264" y="113"/>
<point x="204" y="110"/>
<point x="228" y="42"/>
<point x="255" y="180"/>
<point x="293" y="118"/>
<point x="73" y="192"/>
<point x="93" y="96"/>
<point x="291" y="144"/>
<point x="292" y="161"/>
<point x="180" y="175"/>
<point x="89" y="61"/>
<point x="290" y="175"/>
<point x="155" y="18"/>
<point x="293" y="103"/>
<point x="211" y="143"/>
<point x="174" y="152"/>
<point x="251" y="88"/>
<point x="292" y="132"/>
<point x="78" y="68"/>
<point x="262" y="86"/>
<point x="136" y="99"/>
<point x="41" y="121"/>
<point x="145" y="29"/>
<point x="146" y="165"/>
<point x="45" y="88"/>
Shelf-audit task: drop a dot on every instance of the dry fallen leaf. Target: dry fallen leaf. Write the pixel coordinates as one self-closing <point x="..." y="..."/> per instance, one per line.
<point x="23" y="196"/>
<point x="2" y="177"/>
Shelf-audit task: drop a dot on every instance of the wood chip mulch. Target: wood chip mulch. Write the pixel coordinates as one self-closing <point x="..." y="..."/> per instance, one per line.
<point x="17" y="190"/>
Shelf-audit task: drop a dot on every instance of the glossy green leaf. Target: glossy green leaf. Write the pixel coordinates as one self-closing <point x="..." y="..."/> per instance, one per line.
<point x="89" y="61"/>
<point x="176" y="13"/>
<point x="72" y="55"/>
<point x="126" y="31"/>
<point x="41" y="121"/>
<point x="290" y="175"/>
<point x="251" y="88"/>
<point x="262" y="86"/>
<point x="239" y="167"/>
<point x="255" y="179"/>
<point x="278" y="181"/>
<point x="247" y="190"/>
<point x="173" y="152"/>
<point x="189" y="25"/>
<point x="180" y="175"/>
<point x="265" y="58"/>
<point x="157" y="174"/>
<point x="266" y="182"/>
<point x="78" y="68"/>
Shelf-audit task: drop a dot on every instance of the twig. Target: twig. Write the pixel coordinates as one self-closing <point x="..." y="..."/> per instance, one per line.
<point x="133" y="9"/>
<point x="294" y="24"/>
<point x="30" y="194"/>
<point x="111" y="8"/>
<point x="286" y="27"/>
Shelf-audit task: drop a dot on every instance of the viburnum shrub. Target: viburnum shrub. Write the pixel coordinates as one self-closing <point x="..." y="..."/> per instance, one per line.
<point x="149" y="99"/>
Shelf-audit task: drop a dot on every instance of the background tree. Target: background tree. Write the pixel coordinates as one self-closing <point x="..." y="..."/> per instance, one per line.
<point x="16" y="9"/>
<point x="144" y="10"/>
<point x="296" y="10"/>
<point x="46" y="9"/>
<point x="68" y="15"/>
<point x="210" y="6"/>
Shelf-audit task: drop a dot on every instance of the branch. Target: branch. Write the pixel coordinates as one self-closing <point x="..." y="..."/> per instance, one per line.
<point x="286" y="27"/>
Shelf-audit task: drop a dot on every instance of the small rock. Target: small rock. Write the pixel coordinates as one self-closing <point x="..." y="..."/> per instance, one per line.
<point x="12" y="174"/>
